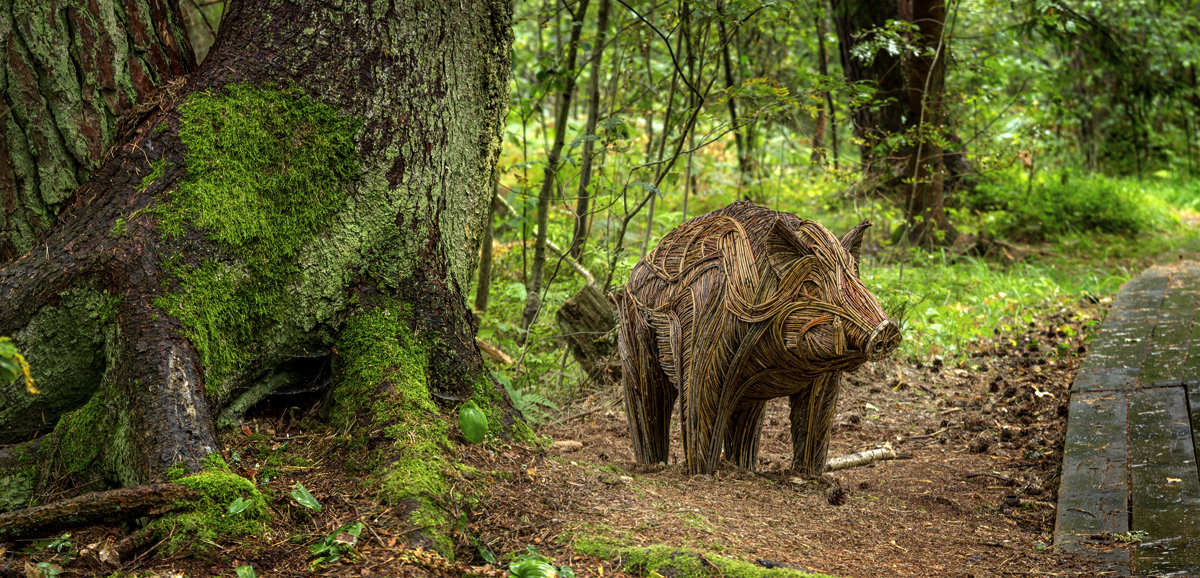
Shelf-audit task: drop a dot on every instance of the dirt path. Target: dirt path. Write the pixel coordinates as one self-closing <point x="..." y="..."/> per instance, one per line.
<point x="971" y="494"/>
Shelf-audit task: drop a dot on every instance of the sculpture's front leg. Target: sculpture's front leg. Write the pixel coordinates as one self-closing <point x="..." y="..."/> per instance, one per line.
<point x="812" y="422"/>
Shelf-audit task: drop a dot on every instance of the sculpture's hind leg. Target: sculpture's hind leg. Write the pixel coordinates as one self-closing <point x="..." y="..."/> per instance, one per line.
<point x="812" y="421"/>
<point x="649" y="395"/>
<point x="741" y="436"/>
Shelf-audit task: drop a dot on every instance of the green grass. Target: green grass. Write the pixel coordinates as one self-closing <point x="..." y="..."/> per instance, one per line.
<point x="1067" y="203"/>
<point x="951" y="302"/>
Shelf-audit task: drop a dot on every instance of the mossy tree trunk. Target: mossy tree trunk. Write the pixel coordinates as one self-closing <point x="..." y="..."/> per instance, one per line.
<point x="71" y="68"/>
<point x="308" y="204"/>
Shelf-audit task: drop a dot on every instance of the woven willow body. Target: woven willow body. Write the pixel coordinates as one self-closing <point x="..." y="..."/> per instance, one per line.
<point x="732" y="309"/>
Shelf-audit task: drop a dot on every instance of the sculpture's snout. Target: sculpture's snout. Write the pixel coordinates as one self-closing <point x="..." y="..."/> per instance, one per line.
<point x="883" y="340"/>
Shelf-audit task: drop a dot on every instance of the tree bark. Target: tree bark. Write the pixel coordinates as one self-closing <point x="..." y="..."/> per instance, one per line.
<point x="928" y="223"/>
<point x="71" y="69"/>
<point x="908" y="103"/>
<point x="883" y="117"/>
<point x="741" y="142"/>
<point x="829" y="112"/>
<point x="96" y="507"/>
<point x="313" y="195"/>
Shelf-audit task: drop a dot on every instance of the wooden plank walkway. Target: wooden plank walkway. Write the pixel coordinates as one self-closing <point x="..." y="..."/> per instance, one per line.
<point x="1133" y="432"/>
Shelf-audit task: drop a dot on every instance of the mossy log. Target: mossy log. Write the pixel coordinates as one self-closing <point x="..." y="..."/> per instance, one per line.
<point x="96" y="507"/>
<point x="587" y="323"/>
<point x="310" y="200"/>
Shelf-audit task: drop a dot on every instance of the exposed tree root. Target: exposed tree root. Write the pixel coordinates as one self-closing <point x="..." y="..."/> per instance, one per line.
<point x="96" y="507"/>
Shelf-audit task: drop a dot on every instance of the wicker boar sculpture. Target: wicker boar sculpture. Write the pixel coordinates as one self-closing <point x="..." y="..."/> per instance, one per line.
<point x="735" y="308"/>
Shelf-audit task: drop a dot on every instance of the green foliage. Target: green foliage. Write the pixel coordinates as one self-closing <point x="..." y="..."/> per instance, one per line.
<point x="304" y="498"/>
<point x="46" y="570"/>
<point x="59" y="544"/>
<point x="472" y="422"/>
<point x="13" y="365"/>
<point x="246" y="571"/>
<point x="267" y="171"/>
<point x="951" y="303"/>
<point x="1067" y="203"/>
<point x="529" y="402"/>
<point x="340" y="544"/>
<point x="532" y="564"/>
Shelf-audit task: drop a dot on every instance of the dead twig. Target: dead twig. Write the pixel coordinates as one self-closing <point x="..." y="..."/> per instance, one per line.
<point x="1004" y="479"/>
<point x="930" y="435"/>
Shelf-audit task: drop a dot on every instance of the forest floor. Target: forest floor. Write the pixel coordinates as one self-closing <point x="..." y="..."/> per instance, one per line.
<point x="971" y="492"/>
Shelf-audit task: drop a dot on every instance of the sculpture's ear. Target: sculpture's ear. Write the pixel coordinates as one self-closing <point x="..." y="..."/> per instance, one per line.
<point x="853" y="240"/>
<point x="783" y="237"/>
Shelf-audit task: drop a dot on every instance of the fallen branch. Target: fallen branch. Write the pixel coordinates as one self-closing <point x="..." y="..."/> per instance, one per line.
<point x="587" y="275"/>
<point x="931" y="435"/>
<point x="96" y="507"/>
<point x="860" y="459"/>
<point x="492" y="352"/>
<point x="1006" y="480"/>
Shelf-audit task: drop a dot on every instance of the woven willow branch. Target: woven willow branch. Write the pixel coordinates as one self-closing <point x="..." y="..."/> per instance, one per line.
<point x="732" y="309"/>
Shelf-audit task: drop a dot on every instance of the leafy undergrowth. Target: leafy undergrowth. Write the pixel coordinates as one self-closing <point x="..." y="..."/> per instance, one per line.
<point x="949" y="301"/>
<point x="972" y="492"/>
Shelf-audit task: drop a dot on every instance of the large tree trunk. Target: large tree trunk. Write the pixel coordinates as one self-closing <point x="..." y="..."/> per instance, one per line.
<point x="312" y="197"/>
<point x="70" y="69"/>
<point x="884" y="116"/>
<point x="907" y="103"/>
<point x="925" y="210"/>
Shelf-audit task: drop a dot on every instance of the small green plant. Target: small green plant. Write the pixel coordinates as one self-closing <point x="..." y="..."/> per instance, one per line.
<point x="340" y="544"/>
<point x="13" y="364"/>
<point x="46" y="570"/>
<point x="304" y="498"/>
<point x="531" y="564"/>
<point x="239" y="505"/>
<point x="246" y="571"/>
<point x="59" y="544"/>
<point x="531" y="404"/>
<point x="472" y="422"/>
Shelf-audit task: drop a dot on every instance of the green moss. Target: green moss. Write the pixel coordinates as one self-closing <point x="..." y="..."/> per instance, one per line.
<point x="177" y="472"/>
<point x="158" y="168"/>
<point x="205" y="521"/>
<point x="64" y="345"/>
<point x="16" y="488"/>
<point x="267" y="172"/>
<point x="105" y="418"/>
<point x="607" y="543"/>
<point x="383" y="377"/>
